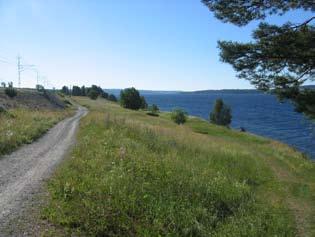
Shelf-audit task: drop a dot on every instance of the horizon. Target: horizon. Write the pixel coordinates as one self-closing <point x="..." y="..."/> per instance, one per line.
<point x="161" y="46"/>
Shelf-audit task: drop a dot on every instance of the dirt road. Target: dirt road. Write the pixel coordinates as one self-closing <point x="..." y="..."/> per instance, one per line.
<point x="22" y="172"/>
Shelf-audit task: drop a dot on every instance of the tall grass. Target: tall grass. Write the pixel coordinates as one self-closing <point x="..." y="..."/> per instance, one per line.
<point x="22" y="126"/>
<point x="131" y="175"/>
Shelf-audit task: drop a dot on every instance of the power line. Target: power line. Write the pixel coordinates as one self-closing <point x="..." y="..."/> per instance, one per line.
<point x="3" y="61"/>
<point x="21" y="68"/>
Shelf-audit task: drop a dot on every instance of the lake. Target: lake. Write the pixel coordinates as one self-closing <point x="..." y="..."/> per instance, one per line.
<point x="258" y="113"/>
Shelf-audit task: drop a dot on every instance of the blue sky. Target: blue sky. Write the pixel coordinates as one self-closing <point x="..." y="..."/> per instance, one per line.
<point x="160" y="45"/>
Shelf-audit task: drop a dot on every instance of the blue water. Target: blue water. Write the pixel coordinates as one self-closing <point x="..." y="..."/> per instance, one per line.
<point x="258" y="113"/>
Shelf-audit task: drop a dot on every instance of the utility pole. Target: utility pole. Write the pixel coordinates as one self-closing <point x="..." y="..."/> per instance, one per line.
<point x="19" y="70"/>
<point x="37" y="77"/>
<point x="22" y="68"/>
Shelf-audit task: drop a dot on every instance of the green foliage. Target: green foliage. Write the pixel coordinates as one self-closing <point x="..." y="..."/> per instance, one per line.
<point x="153" y="110"/>
<point x="3" y="84"/>
<point x="93" y="94"/>
<point x="112" y="97"/>
<point x="221" y="114"/>
<point x="280" y="58"/>
<point x="76" y="91"/>
<point x="40" y="88"/>
<point x="65" y="90"/>
<point x="179" y="116"/>
<point x="98" y="90"/>
<point x="241" y="12"/>
<point x="305" y="102"/>
<point x="83" y="91"/>
<point x="10" y="91"/>
<point x="130" y="98"/>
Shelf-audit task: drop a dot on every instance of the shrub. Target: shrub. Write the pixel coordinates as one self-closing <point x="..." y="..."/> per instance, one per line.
<point x="179" y="116"/>
<point x="10" y="91"/>
<point x="112" y="97"/>
<point x="130" y="98"/>
<point x="153" y="110"/>
<point x="221" y="114"/>
<point x="40" y="88"/>
<point x="92" y="94"/>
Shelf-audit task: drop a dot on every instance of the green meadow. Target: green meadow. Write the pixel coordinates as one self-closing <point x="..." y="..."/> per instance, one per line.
<point x="131" y="174"/>
<point x="23" y="125"/>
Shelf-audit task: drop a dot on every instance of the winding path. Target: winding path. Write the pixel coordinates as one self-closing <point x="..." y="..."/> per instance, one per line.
<point x="23" y="171"/>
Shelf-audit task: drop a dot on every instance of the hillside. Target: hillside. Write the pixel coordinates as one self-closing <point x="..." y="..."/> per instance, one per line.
<point x="131" y="174"/>
<point x="28" y="116"/>
<point x="32" y="99"/>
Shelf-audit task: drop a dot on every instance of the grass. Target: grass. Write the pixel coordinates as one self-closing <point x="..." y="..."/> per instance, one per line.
<point x="131" y="174"/>
<point x="23" y="126"/>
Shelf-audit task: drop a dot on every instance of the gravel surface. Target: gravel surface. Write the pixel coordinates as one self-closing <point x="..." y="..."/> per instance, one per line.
<point x="22" y="173"/>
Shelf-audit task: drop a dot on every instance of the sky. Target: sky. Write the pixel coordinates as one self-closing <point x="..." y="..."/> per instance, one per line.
<point x="155" y="45"/>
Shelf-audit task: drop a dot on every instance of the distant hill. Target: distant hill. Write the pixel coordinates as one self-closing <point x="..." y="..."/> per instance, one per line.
<point x="225" y="91"/>
<point x="142" y="92"/>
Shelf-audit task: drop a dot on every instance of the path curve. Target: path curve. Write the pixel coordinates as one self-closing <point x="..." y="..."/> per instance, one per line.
<point x="23" y="171"/>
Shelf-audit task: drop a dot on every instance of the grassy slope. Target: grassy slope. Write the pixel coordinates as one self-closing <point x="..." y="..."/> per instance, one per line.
<point x="132" y="174"/>
<point x="22" y="126"/>
<point x="29" y="116"/>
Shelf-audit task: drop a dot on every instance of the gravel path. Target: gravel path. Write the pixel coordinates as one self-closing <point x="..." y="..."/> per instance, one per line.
<point x="22" y="172"/>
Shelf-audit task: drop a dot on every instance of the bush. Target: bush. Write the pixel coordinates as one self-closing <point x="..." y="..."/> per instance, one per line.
<point x="130" y="98"/>
<point x="92" y="94"/>
<point x="221" y="114"/>
<point x="153" y="110"/>
<point x="179" y="116"/>
<point x="10" y="91"/>
<point x="112" y="97"/>
<point x="40" y="88"/>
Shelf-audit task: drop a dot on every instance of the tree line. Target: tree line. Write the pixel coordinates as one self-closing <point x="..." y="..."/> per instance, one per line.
<point x="92" y="92"/>
<point x="130" y="98"/>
